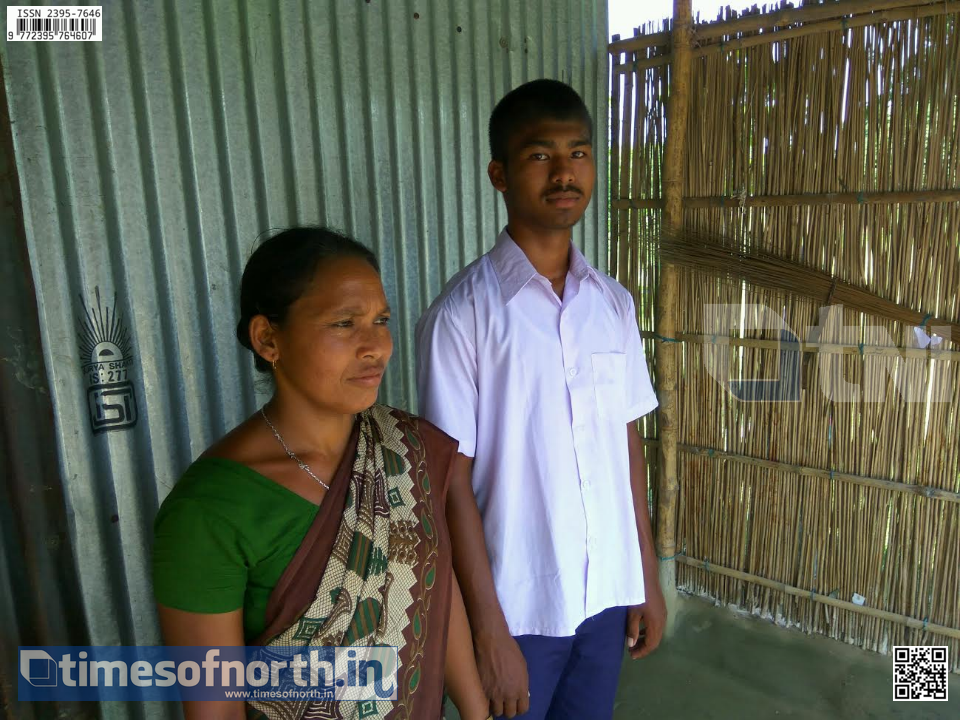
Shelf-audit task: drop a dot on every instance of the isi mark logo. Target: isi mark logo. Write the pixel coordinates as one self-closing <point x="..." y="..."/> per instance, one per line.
<point x="107" y="362"/>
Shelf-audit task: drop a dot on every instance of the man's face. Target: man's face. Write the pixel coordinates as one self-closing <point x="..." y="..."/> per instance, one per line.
<point x="548" y="178"/>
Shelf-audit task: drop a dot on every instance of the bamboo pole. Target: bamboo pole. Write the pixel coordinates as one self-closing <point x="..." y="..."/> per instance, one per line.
<point x="638" y="43"/>
<point x="760" y="21"/>
<point x="825" y="348"/>
<point x="932" y="493"/>
<point x="615" y="83"/>
<point x="875" y="18"/>
<point x="803" y="199"/>
<point x="666" y="357"/>
<point x="926" y="491"/>
<point x="825" y="599"/>
<point x="627" y="129"/>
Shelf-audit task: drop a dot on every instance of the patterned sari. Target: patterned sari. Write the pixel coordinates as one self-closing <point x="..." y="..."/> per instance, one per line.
<point x="386" y="576"/>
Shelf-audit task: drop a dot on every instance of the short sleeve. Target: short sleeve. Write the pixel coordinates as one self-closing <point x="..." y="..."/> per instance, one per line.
<point x="441" y="451"/>
<point x="198" y="565"/>
<point x="447" y="377"/>
<point x="641" y="398"/>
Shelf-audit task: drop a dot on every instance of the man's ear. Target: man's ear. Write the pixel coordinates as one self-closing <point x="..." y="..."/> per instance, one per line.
<point x="498" y="175"/>
<point x="263" y="338"/>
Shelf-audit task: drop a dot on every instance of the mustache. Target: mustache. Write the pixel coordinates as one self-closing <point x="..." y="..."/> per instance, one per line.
<point x="563" y="189"/>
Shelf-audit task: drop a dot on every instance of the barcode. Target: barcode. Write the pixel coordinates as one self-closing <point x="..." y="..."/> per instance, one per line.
<point x="920" y="672"/>
<point x="54" y="25"/>
<point x="49" y="23"/>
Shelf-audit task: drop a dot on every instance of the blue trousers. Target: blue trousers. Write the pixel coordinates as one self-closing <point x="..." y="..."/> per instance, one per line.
<point x="575" y="678"/>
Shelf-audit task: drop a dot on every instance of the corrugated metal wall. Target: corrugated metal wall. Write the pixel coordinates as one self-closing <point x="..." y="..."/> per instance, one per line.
<point x="38" y="579"/>
<point x="150" y="162"/>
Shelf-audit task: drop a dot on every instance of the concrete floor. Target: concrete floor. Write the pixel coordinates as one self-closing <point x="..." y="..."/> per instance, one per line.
<point x="718" y="665"/>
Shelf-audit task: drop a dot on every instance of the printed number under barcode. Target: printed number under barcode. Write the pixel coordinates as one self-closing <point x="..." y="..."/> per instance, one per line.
<point x="919" y="672"/>
<point x="56" y="25"/>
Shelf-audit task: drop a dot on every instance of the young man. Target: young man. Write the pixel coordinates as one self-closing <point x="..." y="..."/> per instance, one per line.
<point x="532" y="360"/>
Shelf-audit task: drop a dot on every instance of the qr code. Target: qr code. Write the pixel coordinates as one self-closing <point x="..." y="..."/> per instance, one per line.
<point x="919" y="673"/>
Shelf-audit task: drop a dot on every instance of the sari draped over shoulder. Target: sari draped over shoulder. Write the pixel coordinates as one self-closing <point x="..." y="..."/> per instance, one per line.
<point x="382" y="578"/>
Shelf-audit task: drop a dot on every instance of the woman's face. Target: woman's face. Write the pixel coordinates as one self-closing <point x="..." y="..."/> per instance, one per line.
<point x="334" y="343"/>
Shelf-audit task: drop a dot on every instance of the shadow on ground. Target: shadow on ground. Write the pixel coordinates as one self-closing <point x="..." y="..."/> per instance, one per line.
<point x="719" y="665"/>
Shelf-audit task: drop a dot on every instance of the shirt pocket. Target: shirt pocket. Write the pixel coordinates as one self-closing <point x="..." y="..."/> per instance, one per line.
<point x="609" y="383"/>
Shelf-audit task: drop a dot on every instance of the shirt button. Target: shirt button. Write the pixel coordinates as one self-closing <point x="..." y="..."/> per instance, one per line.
<point x="573" y="372"/>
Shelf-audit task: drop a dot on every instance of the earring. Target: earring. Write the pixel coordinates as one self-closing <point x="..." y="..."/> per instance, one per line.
<point x="274" y="365"/>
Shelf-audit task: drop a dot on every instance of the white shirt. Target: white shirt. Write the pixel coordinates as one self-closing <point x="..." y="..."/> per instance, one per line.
<point x="540" y="393"/>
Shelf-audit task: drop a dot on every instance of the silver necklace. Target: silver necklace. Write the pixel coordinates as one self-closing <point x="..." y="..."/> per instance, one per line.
<point x="290" y="453"/>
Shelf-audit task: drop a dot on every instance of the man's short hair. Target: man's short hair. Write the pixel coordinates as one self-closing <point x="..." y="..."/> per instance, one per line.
<point x="531" y="102"/>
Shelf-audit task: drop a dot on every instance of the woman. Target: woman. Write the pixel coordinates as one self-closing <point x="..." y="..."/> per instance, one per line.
<point x="320" y="519"/>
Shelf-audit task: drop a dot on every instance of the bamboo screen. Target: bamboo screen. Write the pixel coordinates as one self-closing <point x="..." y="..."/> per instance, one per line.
<point x="789" y="509"/>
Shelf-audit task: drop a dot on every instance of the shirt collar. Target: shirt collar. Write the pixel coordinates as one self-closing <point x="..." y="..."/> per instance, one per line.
<point x="579" y="267"/>
<point x="514" y="270"/>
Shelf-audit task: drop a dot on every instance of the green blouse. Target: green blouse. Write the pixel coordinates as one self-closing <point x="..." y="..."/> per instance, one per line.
<point x="249" y="526"/>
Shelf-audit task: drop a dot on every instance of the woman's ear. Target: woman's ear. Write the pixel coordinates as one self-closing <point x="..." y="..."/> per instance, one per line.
<point x="263" y="338"/>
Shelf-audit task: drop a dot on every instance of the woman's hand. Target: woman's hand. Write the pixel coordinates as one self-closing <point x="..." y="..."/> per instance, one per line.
<point x="503" y="671"/>
<point x="460" y="669"/>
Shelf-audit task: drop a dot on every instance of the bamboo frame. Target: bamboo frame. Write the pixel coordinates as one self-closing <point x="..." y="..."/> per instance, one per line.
<point x="912" y="13"/>
<point x="792" y="123"/>
<point x="824" y="599"/>
<point x="798" y="200"/>
<point x="749" y="23"/>
<point x="672" y="188"/>
<point x="827" y="348"/>
<point x="805" y="14"/>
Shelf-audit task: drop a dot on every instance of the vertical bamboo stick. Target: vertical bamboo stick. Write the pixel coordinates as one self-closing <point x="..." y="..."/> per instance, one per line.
<point x="673" y="187"/>
<point x="615" y="189"/>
